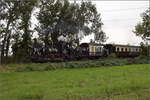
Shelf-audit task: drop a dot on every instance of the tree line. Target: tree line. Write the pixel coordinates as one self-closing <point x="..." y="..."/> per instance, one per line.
<point x="56" y="18"/>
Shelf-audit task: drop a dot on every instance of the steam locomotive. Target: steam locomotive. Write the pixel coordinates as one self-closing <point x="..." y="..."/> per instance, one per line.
<point x="66" y="51"/>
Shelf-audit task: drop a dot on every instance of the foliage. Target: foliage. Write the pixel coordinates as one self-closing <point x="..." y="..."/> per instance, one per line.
<point x="26" y="8"/>
<point x="69" y="21"/>
<point x="16" y="60"/>
<point x="9" y="13"/>
<point x="76" y="64"/>
<point x="116" y="83"/>
<point x="48" y="18"/>
<point x="15" y="23"/>
<point x="143" y="29"/>
<point x="144" y="49"/>
<point x="112" y="55"/>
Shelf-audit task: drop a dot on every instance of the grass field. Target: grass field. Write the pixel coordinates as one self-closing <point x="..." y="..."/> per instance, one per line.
<point x="130" y="82"/>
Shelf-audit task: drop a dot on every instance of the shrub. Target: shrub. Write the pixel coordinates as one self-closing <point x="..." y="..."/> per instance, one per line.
<point x="73" y="64"/>
<point x="51" y="66"/>
<point x="112" y="55"/>
<point x="13" y="60"/>
<point x="21" y="69"/>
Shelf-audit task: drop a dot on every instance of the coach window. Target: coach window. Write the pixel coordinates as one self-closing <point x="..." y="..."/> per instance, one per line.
<point x="125" y="49"/>
<point x="136" y="50"/>
<point x="96" y="49"/>
<point x="121" y="49"/>
<point x="128" y="49"/>
<point x="100" y="49"/>
<point x="140" y="50"/>
<point x="92" y="49"/>
<point x="117" y="49"/>
<point x="132" y="49"/>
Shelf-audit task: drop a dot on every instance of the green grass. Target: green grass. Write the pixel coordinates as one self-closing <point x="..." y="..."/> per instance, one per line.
<point x="130" y="82"/>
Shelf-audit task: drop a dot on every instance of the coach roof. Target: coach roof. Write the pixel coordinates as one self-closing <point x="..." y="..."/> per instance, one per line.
<point x="132" y="46"/>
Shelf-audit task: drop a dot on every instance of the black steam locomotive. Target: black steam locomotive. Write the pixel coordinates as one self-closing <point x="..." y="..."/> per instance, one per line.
<point x="66" y="51"/>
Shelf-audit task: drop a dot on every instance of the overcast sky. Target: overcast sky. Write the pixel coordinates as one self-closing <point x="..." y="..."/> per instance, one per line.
<point x="120" y="18"/>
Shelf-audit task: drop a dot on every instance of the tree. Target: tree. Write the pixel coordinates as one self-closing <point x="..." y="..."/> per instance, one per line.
<point x="88" y="22"/>
<point x="143" y="28"/>
<point x="66" y="25"/>
<point x="72" y="21"/>
<point x="50" y="21"/>
<point x="25" y="10"/>
<point x="100" y="37"/>
<point x="8" y="16"/>
<point x="144" y="49"/>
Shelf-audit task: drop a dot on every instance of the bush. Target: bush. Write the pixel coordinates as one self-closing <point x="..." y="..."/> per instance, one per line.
<point x="13" y="60"/>
<point x="112" y="55"/>
<point x="21" y="69"/>
<point x="50" y="66"/>
<point x="74" y="64"/>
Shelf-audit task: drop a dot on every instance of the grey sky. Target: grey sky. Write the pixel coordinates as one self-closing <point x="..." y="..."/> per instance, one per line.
<point x="120" y="18"/>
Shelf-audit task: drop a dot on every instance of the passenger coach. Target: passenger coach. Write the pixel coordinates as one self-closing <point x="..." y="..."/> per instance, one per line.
<point x="123" y="50"/>
<point x="93" y="49"/>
